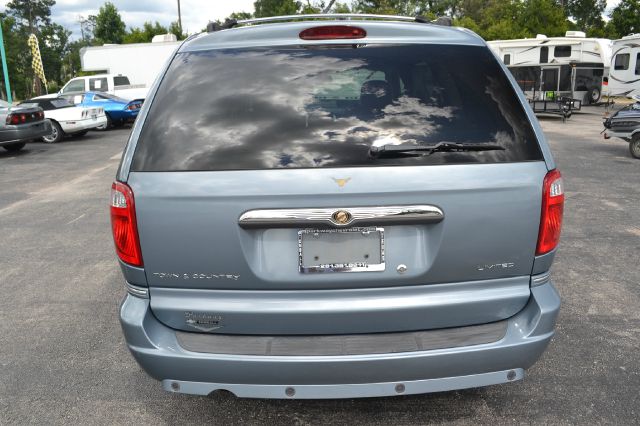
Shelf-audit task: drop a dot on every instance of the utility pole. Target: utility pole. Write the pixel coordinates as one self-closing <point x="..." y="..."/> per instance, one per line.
<point x="328" y="8"/>
<point x="179" y="18"/>
<point x="5" y="71"/>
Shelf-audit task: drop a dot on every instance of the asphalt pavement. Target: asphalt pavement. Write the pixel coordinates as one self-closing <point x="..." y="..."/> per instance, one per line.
<point x="63" y="359"/>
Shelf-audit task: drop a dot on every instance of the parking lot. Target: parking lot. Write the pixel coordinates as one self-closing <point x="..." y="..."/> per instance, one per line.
<point x="63" y="358"/>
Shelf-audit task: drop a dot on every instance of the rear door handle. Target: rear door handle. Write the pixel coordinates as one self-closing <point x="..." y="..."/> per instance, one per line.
<point x="340" y="217"/>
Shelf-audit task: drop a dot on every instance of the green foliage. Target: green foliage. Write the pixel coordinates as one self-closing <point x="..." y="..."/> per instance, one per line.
<point x="542" y="17"/>
<point x="265" y="8"/>
<point x="18" y="63"/>
<point x="87" y="27"/>
<point x="341" y="8"/>
<point x="625" y="19"/>
<point x="54" y="46"/>
<point x="587" y="14"/>
<point x="467" y="22"/>
<point x="31" y="13"/>
<point x="240" y="15"/>
<point x="109" y="26"/>
<point x="309" y="8"/>
<point x="32" y="17"/>
<point x="174" y="28"/>
<point x="144" y="34"/>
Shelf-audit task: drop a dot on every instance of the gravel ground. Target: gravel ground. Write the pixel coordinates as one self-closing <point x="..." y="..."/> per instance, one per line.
<point x="63" y="358"/>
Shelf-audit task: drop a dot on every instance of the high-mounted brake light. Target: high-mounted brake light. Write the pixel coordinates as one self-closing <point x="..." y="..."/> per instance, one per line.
<point x="551" y="215"/>
<point x="333" y="32"/>
<point x="123" y="224"/>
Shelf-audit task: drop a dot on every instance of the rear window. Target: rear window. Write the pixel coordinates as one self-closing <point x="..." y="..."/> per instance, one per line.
<point x="326" y="107"/>
<point x="120" y="81"/>
<point x="61" y="103"/>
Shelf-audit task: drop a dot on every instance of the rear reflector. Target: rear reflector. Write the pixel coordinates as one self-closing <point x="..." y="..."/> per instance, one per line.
<point x="333" y="32"/>
<point x="123" y="224"/>
<point x="551" y="215"/>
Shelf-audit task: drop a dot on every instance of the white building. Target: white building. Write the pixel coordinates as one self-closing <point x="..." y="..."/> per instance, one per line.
<point x="572" y="66"/>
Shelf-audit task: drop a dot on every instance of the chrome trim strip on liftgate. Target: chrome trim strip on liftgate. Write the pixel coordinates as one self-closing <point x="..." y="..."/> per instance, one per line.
<point x="354" y="390"/>
<point x="341" y="217"/>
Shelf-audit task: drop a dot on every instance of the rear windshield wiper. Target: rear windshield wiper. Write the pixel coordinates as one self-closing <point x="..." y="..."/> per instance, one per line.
<point x="377" y="151"/>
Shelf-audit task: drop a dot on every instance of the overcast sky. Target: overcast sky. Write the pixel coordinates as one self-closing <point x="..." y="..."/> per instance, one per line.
<point x="195" y="13"/>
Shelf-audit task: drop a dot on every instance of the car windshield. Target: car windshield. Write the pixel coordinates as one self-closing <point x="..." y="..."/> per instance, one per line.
<point x="295" y="107"/>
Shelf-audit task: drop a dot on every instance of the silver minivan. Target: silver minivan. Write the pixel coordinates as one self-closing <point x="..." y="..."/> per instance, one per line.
<point x="344" y="206"/>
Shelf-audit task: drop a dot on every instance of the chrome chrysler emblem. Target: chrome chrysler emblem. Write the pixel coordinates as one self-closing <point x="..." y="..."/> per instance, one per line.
<point x="341" y="182"/>
<point x="341" y="217"/>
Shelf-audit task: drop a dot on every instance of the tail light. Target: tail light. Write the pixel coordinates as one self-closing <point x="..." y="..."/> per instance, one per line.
<point x="333" y="32"/>
<point x="21" y="118"/>
<point x="551" y="215"/>
<point x="123" y="224"/>
<point x="16" y="118"/>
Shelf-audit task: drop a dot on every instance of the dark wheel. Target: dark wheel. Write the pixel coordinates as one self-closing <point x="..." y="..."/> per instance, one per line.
<point x="56" y="133"/>
<point x="107" y="125"/>
<point x="14" y="147"/>
<point x="634" y="146"/>
<point x="80" y="134"/>
<point x="594" y="95"/>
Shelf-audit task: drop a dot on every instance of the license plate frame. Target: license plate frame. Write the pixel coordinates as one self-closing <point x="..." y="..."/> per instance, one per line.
<point x="345" y="266"/>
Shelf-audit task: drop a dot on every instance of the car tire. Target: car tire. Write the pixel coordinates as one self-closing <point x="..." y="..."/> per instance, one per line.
<point x="56" y="133"/>
<point x="14" y="147"/>
<point x="107" y="125"/>
<point x="593" y="96"/>
<point x="634" y="146"/>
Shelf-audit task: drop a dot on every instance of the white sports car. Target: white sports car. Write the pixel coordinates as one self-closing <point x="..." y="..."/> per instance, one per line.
<point x="67" y="118"/>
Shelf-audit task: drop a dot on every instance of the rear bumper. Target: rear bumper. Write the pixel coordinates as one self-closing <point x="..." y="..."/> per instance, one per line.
<point x="157" y="350"/>
<point x="626" y="135"/>
<point x="125" y="116"/>
<point x="75" y="126"/>
<point x="24" y="132"/>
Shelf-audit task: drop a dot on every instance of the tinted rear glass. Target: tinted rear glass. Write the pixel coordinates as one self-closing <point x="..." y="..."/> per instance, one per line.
<point x="326" y="107"/>
<point x="120" y="81"/>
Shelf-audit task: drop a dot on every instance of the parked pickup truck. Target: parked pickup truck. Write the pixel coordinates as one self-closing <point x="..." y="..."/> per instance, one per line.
<point x="118" y="85"/>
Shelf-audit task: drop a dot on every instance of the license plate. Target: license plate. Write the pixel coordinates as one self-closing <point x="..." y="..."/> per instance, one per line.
<point x="341" y="250"/>
<point x="95" y="117"/>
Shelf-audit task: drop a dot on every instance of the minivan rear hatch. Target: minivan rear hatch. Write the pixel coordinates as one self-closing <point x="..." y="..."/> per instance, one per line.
<point x="250" y="158"/>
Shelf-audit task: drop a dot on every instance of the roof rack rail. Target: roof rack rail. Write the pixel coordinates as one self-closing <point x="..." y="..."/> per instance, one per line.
<point x="230" y="23"/>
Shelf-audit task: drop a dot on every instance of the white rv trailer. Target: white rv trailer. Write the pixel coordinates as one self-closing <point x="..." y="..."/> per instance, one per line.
<point x="624" y="77"/>
<point x="573" y="66"/>
<point x="141" y="62"/>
